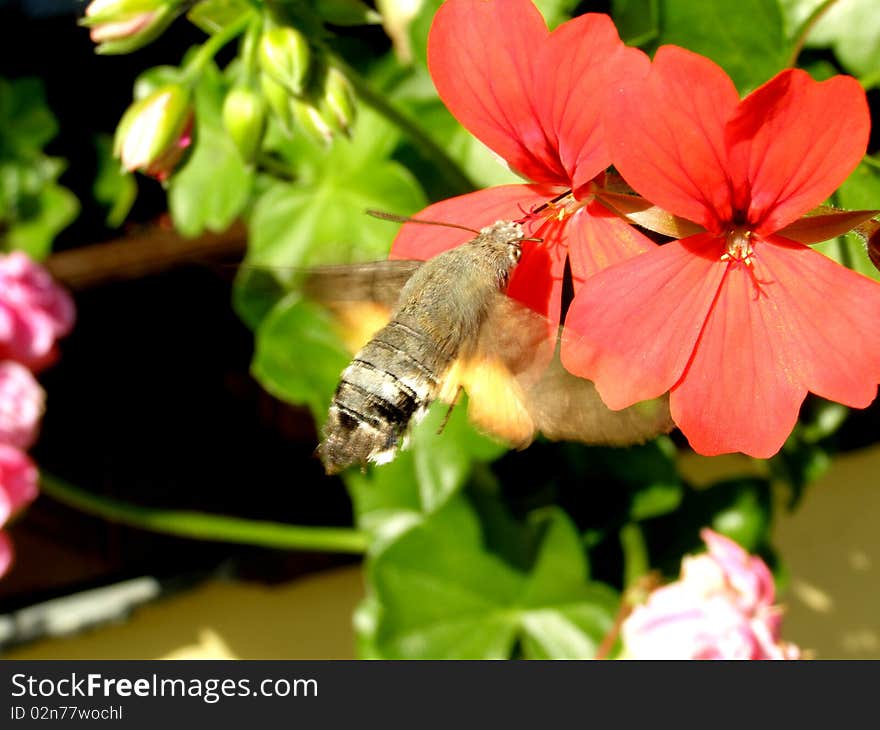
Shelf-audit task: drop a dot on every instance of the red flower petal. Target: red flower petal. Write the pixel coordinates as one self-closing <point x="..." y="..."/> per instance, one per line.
<point x="631" y="329"/>
<point x="537" y="279"/>
<point x="598" y="238"/>
<point x="742" y="389"/>
<point x="480" y="57"/>
<point x="475" y="210"/>
<point x="830" y="315"/>
<point x="793" y="141"/>
<point x="573" y="71"/>
<point x="667" y="135"/>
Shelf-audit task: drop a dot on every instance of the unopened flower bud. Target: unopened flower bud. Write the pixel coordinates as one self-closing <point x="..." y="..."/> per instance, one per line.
<point x="284" y="55"/>
<point x="278" y="99"/>
<point x="122" y="26"/>
<point x="244" y="116"/>
<point x="154" y="132"/>
<point x="312" y="121"/>
<point x="397" y="15"/>
<point x="339" y="100"/>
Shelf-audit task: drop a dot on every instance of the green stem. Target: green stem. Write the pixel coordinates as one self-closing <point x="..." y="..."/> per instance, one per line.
<point x="804" y="31"/>
<point x="446" y="166"/>
<point x="872" y="161"/>
<point x="203" y="526"/>
<point x="212" y="46"/>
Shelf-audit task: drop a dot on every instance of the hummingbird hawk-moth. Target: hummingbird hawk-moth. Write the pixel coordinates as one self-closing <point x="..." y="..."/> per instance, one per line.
<point x="452" y="327"/>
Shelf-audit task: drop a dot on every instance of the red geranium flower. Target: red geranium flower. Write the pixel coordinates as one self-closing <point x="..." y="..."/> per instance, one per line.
<point x="534" y="97"/>
<point x="741" y="321"/>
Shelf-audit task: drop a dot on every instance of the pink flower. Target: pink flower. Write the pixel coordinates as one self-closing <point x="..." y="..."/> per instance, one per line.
<point x="740" y="321"/>
<point x="6" y="553"/>
<point x="34" y="312"/>
<point x="534" y="97"/>
<point x="18" y="482"/>
<point x="720" y="608"/>
<point x="21" y="405"/>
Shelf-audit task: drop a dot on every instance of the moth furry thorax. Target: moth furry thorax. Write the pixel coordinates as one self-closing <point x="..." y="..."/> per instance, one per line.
<point x="401" y="370"/>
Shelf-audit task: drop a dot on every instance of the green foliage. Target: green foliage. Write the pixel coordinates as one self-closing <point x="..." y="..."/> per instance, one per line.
<point x="850" y="28"/>
<point x="34" y="208"/>
<point x="438" y="593"/>
<point x="638" y="21"/>
<point x="746" y="38"/>
<point x="213" y="187"/>
<point x="297" y="356"/>
<point x="113" y="188"/>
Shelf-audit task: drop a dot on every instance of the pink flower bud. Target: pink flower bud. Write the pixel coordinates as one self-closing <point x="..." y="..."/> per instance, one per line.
<point x="720" y="608"/>
<point x="21" y="405"/>
<point x="6" y="553"/>
<point x="34" y="311"/>
<point x="154" y="132"/>
<point x="122" y="26"/>
<point x="18" y="482"/>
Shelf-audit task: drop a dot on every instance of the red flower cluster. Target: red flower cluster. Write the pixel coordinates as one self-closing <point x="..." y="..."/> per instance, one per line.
<point x="737" y="322"/>
<point x="34" y="313"/>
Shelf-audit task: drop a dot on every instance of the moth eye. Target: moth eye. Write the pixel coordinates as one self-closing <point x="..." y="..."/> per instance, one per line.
<point x="515" y="254"/>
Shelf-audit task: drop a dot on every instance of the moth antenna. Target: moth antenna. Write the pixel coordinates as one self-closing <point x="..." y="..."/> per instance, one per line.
<point x="408" y="219"/>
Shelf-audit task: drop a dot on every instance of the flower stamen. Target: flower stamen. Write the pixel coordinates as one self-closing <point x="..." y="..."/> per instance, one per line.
<point x="739" y="246"/>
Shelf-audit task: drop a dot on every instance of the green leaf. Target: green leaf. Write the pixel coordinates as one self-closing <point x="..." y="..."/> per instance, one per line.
<point x="556" y="11"/>
<point x="419" y="27"/>
<point x="443" y="461"/>
<point x="851" y="29"/>
<point x="441" y="597"/>
<point x="567" y="617"/>
<point x="255" y="293"/>
<point x="424" y="477"/>
<point x="213" y="187"/>
<point x="637" y="21"/>
<point x="57" y="208"/>
<point x="26" y="123"/>
<point x="347" y="12"/>
<point x="214" y="15"/>
<point x="366" y="623"/>
<point x="636" y="560"/>
<point x="322" y="217"/>
<point x="388" y="501"/>
<point x="114" y="188"/>
<point x="443" y="600"/>
<point x="745" y="38"/>
<point x="298" y="356"/>
<point x="654" y="499"/>
<point x="740" y="509"/>
<point x="561" y="564"/>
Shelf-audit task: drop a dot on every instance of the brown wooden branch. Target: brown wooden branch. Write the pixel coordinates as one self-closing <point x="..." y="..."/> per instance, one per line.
<point x="148" y="251"/>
